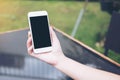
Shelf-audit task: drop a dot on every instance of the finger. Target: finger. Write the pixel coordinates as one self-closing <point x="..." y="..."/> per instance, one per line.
<point x="50" y="34"/>
<point x="53" y="34"/>
<point x="30" y="50"/>
<point x="29" y="42"/>
<point x="29" y="34"/>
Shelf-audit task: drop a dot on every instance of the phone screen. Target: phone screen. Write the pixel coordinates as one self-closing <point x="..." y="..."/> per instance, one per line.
<point x="40" y="31"/>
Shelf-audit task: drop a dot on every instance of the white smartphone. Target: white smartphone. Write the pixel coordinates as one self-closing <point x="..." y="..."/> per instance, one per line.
<point x="39" y="27"/>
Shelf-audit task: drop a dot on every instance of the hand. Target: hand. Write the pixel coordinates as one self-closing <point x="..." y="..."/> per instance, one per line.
<point x="75" y="70"/>
<point x="52" y="57"/>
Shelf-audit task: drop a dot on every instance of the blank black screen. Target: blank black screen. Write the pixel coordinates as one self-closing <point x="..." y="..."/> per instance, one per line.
<point x="40" y="31"/>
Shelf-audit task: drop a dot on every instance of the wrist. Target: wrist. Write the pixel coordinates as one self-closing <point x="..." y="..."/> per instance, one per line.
<point x="60" y="60"/>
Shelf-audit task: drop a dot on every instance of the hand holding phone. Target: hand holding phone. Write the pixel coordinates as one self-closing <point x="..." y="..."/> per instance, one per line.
<point x="39" y="27"/>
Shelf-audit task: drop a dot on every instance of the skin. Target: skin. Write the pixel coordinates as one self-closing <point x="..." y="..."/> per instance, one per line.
<point x="75" y="70"/>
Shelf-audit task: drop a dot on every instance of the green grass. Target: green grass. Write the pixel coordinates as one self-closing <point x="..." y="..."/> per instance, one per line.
<point x="63" y="15"/>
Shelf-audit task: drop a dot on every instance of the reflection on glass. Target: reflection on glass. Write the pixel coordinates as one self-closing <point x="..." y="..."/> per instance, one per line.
<point x="26" y="66"/>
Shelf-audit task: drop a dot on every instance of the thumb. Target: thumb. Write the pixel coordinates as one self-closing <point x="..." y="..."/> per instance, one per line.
<point x="53" y="35"/>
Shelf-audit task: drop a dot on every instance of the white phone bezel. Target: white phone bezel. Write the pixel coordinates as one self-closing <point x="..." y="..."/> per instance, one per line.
<point x="34" y="14"/>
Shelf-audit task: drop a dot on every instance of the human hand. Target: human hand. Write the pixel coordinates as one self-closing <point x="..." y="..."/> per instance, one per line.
<point x="51" y="57"/>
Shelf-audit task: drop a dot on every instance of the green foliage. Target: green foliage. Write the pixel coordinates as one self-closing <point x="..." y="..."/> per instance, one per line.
<point x="62" y="15"/>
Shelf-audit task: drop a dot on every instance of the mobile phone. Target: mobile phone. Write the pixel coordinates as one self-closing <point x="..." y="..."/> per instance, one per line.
<point x="39" y="27"/>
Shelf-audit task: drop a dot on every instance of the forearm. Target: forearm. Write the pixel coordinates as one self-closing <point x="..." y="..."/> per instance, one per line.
<point x="79" y="71"/>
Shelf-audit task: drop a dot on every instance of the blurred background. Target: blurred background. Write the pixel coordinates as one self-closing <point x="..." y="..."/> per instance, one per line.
<point x="63" y="15"/>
